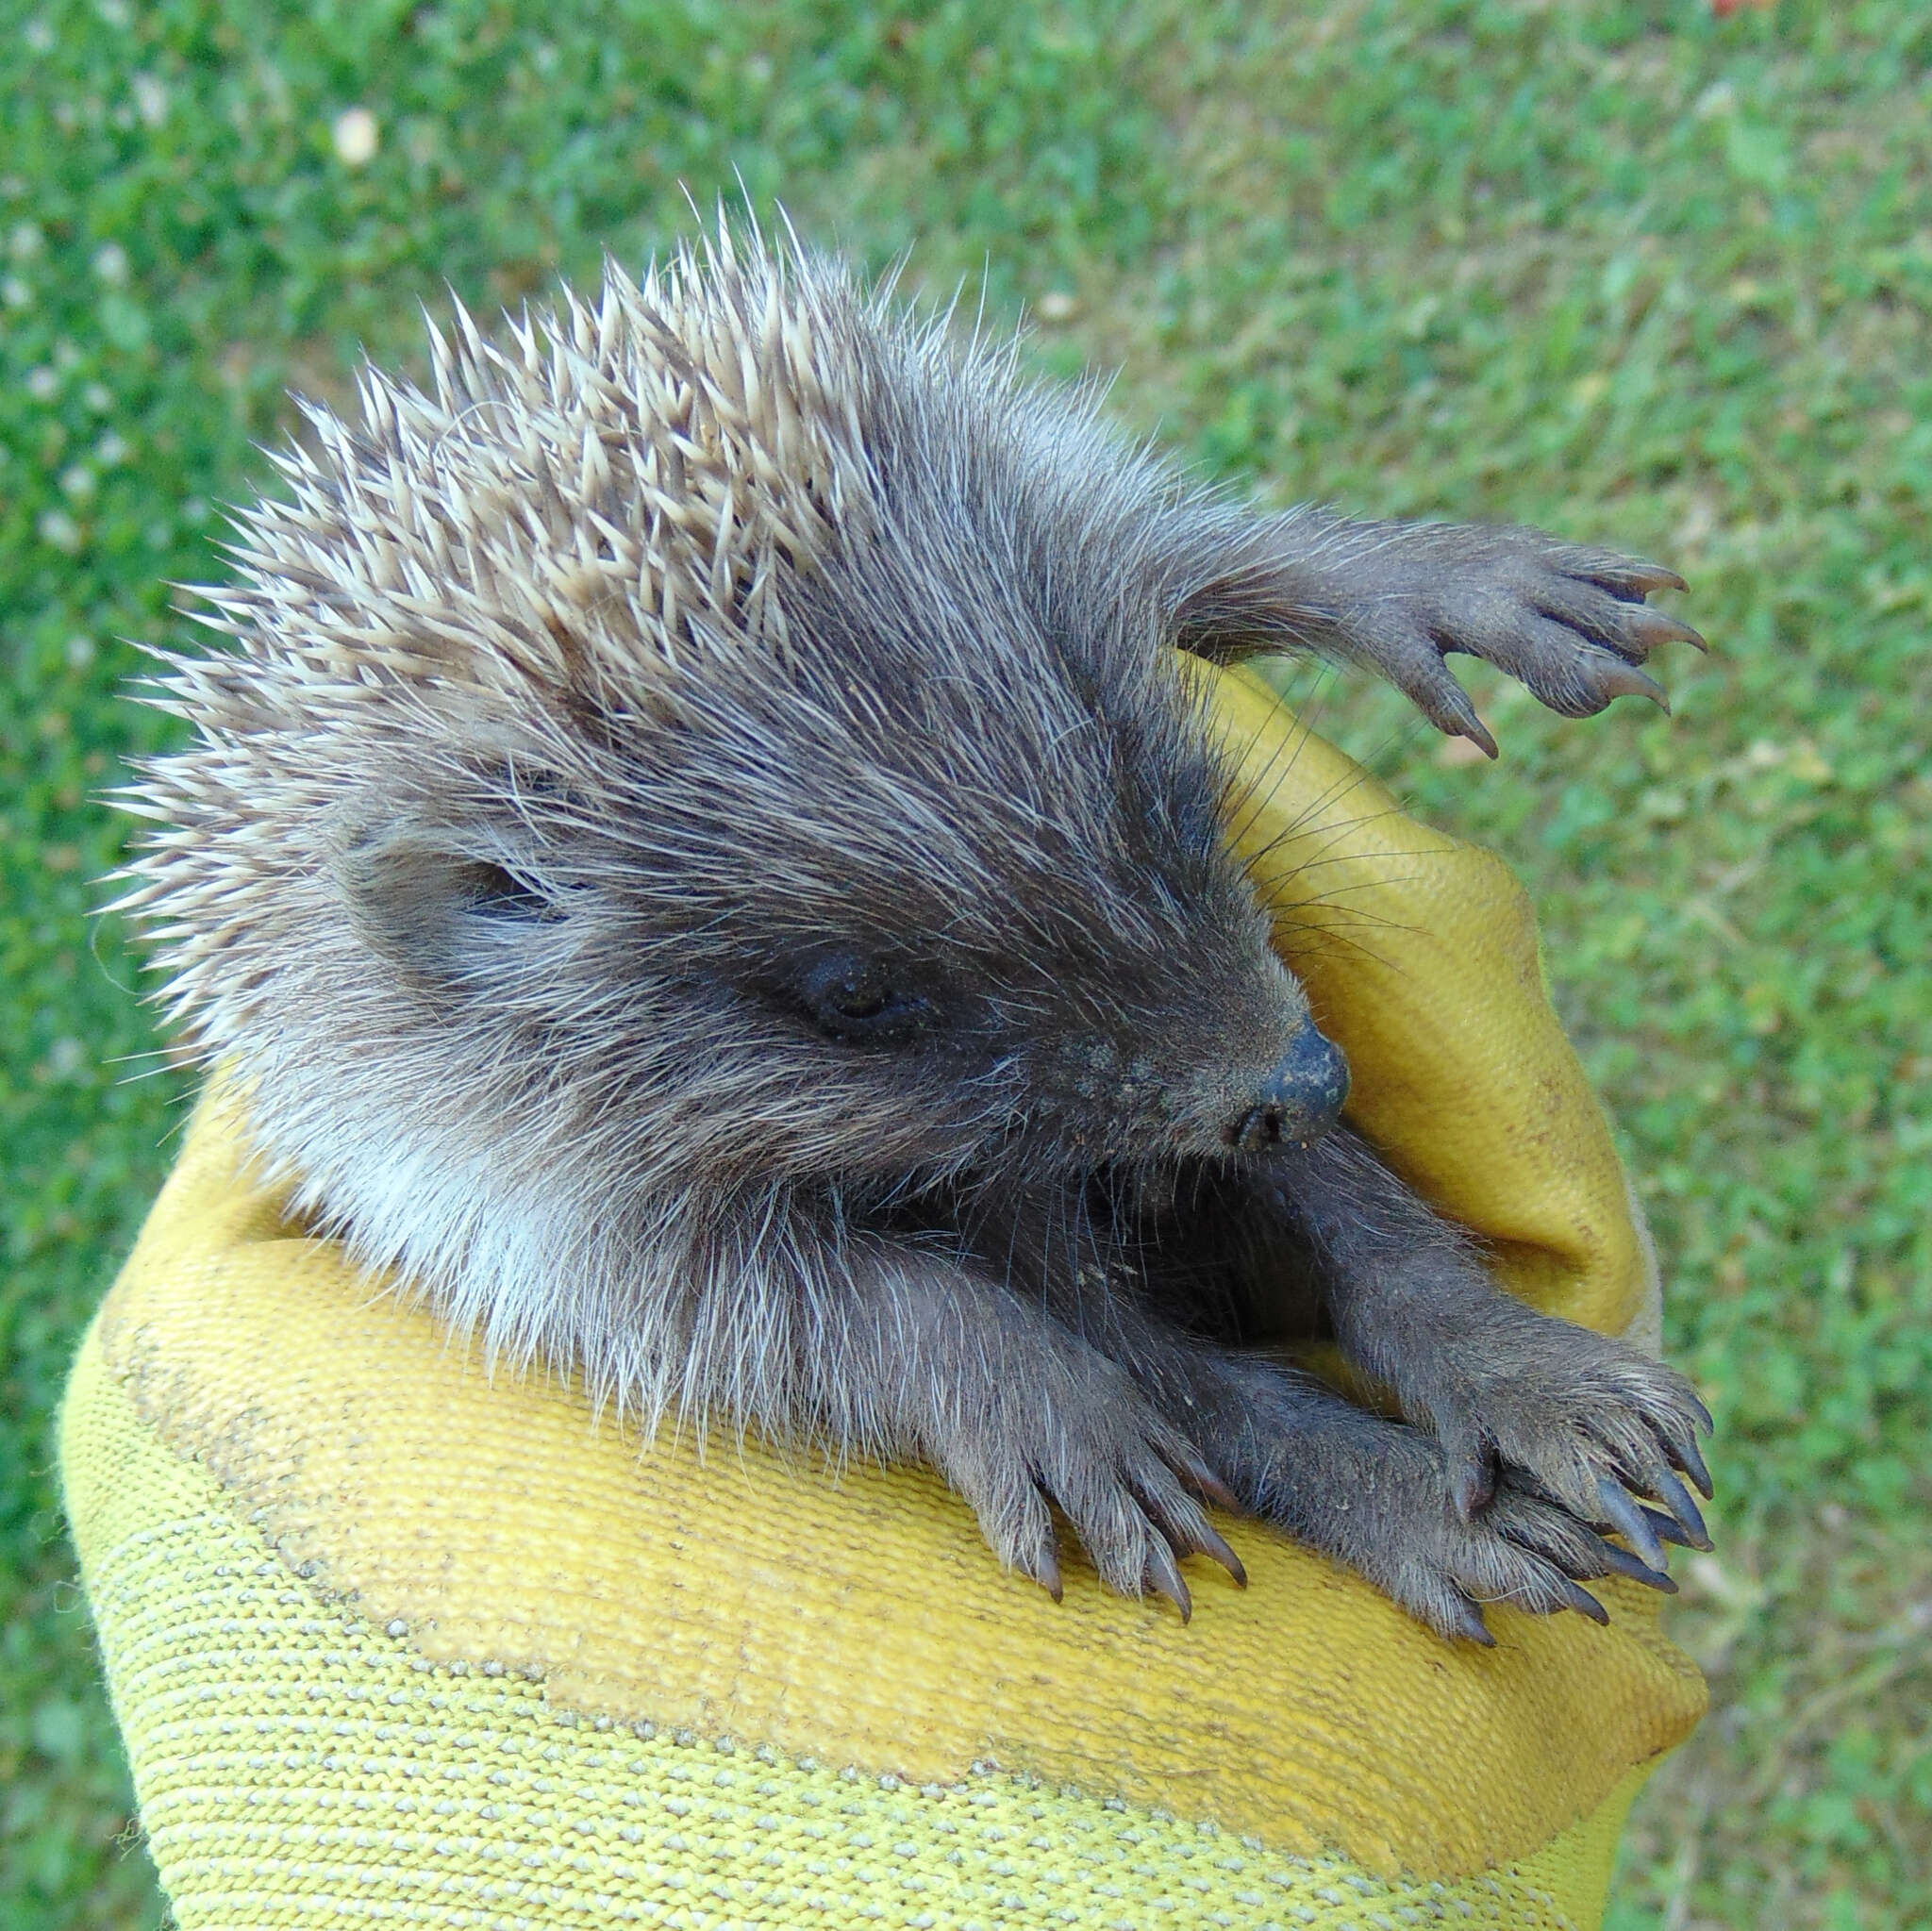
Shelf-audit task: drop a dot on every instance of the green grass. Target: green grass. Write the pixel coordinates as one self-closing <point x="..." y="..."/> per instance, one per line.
<point x="1621" y="269"/>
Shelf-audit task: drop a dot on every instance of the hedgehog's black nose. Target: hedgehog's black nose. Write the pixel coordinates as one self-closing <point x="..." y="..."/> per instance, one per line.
<point x="1300" y="1099"/>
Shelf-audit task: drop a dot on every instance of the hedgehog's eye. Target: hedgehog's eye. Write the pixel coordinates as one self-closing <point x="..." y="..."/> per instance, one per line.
<point x="853" y="999"/>
<point x="862" y="1001"/>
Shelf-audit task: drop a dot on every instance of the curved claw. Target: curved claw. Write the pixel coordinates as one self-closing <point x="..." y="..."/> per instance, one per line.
<point x="1194" y="1534"/>
<point x="1580" y="1599"/>
<point x="1640" y="1527"/>
<point x="1047" y="1572"/>
<point x="1627" y="680"/>
<point x="1468" y="1623"/>
<point x="1676" y="1498"/>
<point x="1620" y="1562"/>
<point x="1210" y="1487"/>
<point x="1642" y="575"/>
<point x="1667" y="1529"/>
<point x="1688" y="1458"/>
<point x="1653" y="628"/>
<point x="1450" y="708"/>
<point x="1212" y="1544"/>
<point x="1479" y="734"/>
<point x="1164" y="1578"/>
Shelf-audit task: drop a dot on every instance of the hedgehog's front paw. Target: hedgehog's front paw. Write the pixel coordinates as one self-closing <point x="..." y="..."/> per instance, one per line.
<point x="1084" y="1439"/>
<point x="1374" y="1496"/>
<point x="1568" y="621"/>
<point x="1580" y="1419"/>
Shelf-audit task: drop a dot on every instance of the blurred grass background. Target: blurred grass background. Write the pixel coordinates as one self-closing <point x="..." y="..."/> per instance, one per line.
<point x="1638" y="273"/>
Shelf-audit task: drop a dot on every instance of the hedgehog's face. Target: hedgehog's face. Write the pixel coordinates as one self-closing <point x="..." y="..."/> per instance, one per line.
<point x="849" y="937"/>
<point x="1082" y="1081"/>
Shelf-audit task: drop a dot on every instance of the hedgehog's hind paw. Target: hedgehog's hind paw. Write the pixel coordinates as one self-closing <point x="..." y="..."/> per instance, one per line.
<point x="1566" y="621"/>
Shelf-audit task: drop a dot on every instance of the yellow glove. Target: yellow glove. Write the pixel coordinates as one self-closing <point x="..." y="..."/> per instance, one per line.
<point x="389" y="1640"/>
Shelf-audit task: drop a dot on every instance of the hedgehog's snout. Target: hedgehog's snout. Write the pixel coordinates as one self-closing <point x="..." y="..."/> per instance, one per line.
<point x="1299" y="1101"/>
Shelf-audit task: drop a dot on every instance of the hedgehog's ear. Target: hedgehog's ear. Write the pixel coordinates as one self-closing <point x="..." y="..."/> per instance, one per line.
<point x="438" y="905"/>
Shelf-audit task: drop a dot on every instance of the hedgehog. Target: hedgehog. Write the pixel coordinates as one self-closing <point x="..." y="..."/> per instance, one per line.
<point x="699" y="850"/>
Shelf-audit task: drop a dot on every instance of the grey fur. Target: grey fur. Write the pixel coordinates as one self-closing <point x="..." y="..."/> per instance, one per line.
<point x="702" y="856"/>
